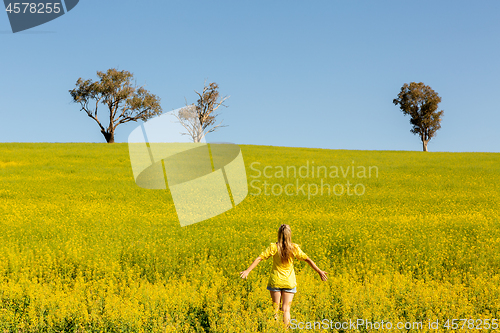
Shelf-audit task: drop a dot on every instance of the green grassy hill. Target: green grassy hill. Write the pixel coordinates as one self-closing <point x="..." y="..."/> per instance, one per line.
<point x="84" y="249"/>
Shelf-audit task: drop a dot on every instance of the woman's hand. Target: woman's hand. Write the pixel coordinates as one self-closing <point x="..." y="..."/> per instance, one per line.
<point x="322" y="274"/>
<point x="244" y="274"/>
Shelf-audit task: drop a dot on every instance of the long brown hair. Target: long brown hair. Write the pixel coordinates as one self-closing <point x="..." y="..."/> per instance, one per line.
<point x="285" y="246"/>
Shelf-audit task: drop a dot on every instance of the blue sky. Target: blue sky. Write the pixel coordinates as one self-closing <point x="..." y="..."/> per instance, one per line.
<point x="300" y="73"/>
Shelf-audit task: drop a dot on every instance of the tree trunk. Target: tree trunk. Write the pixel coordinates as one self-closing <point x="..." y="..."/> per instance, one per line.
<point x="424" y="143"/>
<point x="109" y="136"/>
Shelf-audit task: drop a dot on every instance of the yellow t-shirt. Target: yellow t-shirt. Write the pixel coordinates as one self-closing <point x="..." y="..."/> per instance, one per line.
<point x="283" y="275"/>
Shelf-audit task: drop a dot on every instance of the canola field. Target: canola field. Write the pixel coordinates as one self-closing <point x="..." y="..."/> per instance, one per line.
<point x="407" y="238"/>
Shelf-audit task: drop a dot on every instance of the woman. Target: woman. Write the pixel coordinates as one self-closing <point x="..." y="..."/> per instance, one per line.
<point x="282" y="284"/>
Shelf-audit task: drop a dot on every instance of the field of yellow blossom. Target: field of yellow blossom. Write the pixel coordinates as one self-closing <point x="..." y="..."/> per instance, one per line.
<point x="407" y="238"/>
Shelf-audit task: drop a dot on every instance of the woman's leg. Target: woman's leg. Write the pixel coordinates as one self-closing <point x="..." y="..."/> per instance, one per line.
<point x="287" y="303"/>
<point x="276" y="297"/>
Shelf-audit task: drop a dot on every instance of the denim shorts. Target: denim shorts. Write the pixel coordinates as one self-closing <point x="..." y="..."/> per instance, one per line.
<point x="293" y="291"/>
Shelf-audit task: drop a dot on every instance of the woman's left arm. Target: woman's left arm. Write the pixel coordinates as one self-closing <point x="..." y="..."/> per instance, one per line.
<point x="322" y="274"/>
<point x="245" y="273"/>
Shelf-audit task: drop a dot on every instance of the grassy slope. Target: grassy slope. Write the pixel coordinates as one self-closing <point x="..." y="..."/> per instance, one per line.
<point x="79" y="240"/>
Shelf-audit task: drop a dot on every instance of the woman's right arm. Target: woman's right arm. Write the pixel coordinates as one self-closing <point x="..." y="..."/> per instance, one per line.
<point x="321" y="273"/>
<point x="245" y="273"/>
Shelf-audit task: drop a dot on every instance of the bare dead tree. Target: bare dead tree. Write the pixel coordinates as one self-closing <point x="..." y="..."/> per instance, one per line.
<point x="200" y="119"/>
<point x="188" y="118"/>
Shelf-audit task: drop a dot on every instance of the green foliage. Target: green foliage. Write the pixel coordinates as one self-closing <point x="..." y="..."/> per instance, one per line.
<point x="84" y="249"/>
<point x="420" y="102"/>
<point x="124" y="101"/>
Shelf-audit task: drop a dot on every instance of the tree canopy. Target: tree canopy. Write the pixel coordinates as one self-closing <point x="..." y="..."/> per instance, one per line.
<point x="124" y="101"/>
<point x="420" y="102"/>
